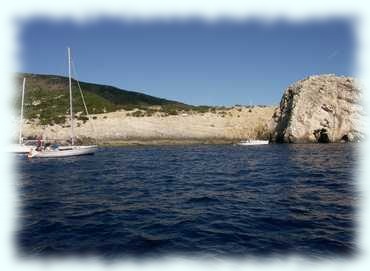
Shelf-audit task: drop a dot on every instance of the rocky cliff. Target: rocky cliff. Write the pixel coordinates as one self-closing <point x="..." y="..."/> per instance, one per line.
<point x="323" y="108"/>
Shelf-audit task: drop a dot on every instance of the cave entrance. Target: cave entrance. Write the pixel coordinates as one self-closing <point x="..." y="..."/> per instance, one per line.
<point x="322" y="135"/>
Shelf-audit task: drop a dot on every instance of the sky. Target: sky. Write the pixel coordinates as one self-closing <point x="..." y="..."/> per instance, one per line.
<point x="195" y="62"/>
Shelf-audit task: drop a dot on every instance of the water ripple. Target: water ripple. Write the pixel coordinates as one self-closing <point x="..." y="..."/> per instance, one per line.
<point x="214" y="200"/>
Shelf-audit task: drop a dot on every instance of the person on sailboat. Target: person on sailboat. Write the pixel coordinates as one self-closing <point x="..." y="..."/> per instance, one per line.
<point x="39" y="144"/>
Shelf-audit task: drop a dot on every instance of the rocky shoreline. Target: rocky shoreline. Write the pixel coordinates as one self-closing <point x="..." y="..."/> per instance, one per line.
<point x="324" y="109"/>
<point x="220" y="126"/>
<point x="165" y="142"/>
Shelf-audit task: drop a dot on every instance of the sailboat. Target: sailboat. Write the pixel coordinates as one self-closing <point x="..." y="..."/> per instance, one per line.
<point x="72" y="150"/>
<point x="21" y="147"/>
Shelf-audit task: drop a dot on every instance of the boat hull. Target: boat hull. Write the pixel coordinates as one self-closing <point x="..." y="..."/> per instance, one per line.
<point x="20" y="148"/>
<point x="253" y="142"/>
<point x="64" y="152"/>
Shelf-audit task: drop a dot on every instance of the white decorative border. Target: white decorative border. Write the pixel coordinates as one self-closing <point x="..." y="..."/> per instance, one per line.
<point x="82" y="10"/>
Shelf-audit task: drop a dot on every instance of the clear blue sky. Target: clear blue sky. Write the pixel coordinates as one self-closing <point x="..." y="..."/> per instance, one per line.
<point x="223" y="63"/>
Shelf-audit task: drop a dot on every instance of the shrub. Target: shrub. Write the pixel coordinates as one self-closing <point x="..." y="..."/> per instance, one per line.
<point x="262" y="132"/>
<point x="138" y="113"/>
<point x="172" y="112"/>
<point x="83" y="118"/>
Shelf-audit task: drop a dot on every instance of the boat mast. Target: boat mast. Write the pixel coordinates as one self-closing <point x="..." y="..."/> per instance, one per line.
<point x="70" y="95"/>
<point x="21" y="124"/>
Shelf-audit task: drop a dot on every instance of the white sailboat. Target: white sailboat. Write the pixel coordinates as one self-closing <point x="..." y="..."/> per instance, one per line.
<point x="21" y="147"/>
<point x="72" y="150"/>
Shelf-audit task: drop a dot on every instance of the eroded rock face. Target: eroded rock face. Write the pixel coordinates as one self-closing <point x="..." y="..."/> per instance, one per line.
<point x="322" y="108"/>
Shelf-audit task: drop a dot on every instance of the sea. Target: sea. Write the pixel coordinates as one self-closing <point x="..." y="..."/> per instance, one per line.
<point x="217" y="200"/>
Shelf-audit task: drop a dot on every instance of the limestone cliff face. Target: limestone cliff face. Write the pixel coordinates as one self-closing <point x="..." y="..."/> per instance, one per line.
<point x="322" y="108"/>
<point x="229" y="124"/>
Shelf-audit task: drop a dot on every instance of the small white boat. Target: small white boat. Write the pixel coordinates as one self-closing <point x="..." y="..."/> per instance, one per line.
<point x="251" y="142"/>
<point x="63" y="151"/>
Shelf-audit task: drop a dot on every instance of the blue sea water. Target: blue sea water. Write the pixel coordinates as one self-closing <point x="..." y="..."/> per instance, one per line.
<point x="210" y="199"/>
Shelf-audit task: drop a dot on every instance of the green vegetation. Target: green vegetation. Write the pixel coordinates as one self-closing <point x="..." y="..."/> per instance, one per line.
<point x="47" y="99"/>
<point x="137" y="113"/>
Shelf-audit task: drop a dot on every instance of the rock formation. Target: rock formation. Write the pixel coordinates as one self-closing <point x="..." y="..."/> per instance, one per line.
<point x="323" y="108"/>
